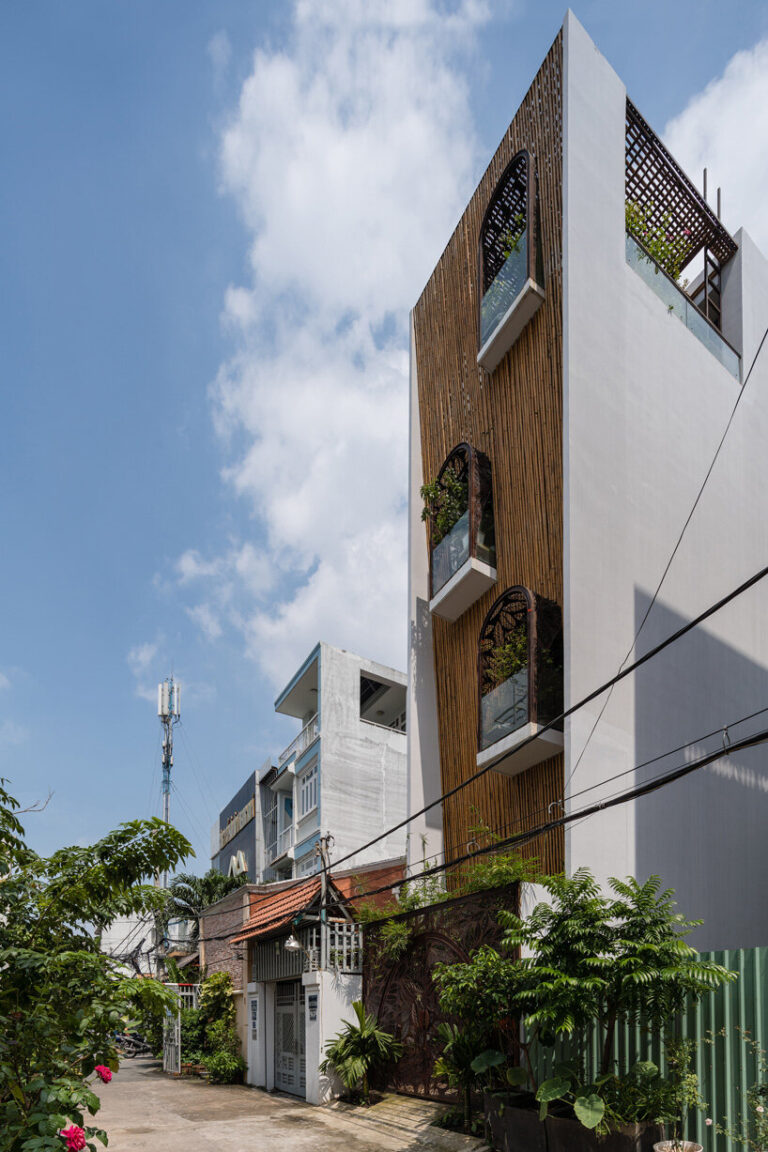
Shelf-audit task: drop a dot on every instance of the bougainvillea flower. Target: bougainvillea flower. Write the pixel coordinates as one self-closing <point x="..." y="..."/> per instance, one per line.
<point x="75" y="1138"/>
<point x="103" y="1073"/>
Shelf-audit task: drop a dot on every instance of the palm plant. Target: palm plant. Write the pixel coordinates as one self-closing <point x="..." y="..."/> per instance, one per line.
<point x="455" y="1064"/>
<point x="188" y="896"/>
<point x="357" y="1049"/>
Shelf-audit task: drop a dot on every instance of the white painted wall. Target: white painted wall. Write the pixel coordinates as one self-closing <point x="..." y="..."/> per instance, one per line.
<point x="645" y="404"/>
<point x="336" y="992"/>
<point x="362" y="765"/>
<point x="425" y="833"/>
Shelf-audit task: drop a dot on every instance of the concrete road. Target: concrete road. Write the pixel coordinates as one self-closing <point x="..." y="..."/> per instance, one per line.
<point x="145" y="1111"/>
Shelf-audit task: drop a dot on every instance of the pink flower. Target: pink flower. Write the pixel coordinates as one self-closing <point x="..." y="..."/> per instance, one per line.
<point x="104" y="1074"/>
<point x="760" y="1108"/>
<point x="75" y="1138"/>
<point x="708" y="1122"/>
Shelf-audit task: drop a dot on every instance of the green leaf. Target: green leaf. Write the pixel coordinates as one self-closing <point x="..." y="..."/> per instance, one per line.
<point x="589" y="1110"/>
<point x="488" y="1059"/>
<point x="553" y="1089"/>
<point x="517" y="1077"/>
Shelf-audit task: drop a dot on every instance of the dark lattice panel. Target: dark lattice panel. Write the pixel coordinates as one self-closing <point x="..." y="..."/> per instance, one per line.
<point x="401" y="994"/>
<point x="513" y="610"/>
<point x="548" y="689"/>
<point x="655" y="181"/>
<point x="509" y="201"/>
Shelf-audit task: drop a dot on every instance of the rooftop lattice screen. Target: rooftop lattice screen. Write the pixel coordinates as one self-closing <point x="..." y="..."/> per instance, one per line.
<point x="659" y="186"/>
<point x="507" y="212"/>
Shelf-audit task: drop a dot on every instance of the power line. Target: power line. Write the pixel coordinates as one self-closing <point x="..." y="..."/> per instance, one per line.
<point x="668" y="565"/>
<point x="557" y="722"/>
<point x="649" y="786"/>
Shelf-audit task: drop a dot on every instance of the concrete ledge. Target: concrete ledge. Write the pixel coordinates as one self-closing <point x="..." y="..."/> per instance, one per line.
<point x="463" y="589"/>
<point x="503" y="757"/>
<point x="524" y="307"/>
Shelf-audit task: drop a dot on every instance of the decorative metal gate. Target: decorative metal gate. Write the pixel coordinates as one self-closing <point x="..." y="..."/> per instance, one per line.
<point x="290" y="1054"/>
<point x="187" y="994"/>
<point x="399" y="991"/>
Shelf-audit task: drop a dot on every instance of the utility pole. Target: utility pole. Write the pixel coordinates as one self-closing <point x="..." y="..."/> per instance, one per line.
<point x="323" y="850"/>
<point x="169" y="711"/>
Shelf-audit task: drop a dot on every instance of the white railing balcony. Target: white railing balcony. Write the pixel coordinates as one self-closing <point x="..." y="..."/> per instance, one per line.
<point x="309" y="732"/>
<point x="279" y="847"/>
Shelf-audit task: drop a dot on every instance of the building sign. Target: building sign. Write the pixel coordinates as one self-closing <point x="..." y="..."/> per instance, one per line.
<point x="237" y="821"/>
<point x="312" y="1005"/>
<point x="254" y="1018"/>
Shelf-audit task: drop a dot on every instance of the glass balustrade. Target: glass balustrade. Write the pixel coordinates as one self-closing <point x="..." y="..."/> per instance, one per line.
<point x="504" y="709"/>
<point x="504" y="289"/>
<point x="681" y="306"/>
<point x="449" y="555"/>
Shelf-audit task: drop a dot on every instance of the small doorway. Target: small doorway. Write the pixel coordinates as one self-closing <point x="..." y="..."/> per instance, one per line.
<point x="290" y="1048"/>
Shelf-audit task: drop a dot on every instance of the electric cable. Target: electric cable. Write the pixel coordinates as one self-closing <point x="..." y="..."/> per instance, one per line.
<point x="654" y="784"/>
<point x="557" y="722"/>
<point x="668" y="565"/>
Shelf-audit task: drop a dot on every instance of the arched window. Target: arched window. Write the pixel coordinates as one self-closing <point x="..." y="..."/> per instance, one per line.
<point x="510" y="260"/>
<point x="458" y="506"/>
<point x="520" y="666"/>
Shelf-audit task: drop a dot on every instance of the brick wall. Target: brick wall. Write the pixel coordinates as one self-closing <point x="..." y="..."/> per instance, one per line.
<point x="218" y="925"/>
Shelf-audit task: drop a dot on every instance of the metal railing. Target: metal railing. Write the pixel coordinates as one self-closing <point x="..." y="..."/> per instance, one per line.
<point x="309" y="732"/>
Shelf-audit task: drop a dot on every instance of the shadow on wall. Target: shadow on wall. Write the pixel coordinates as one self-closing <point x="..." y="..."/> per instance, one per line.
<point x="705" y="835"/>
<point x="423" y="680"/>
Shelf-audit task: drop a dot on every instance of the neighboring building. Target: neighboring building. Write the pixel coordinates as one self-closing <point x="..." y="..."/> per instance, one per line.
<point x="568" y="396"/>
<point x="300" y="957"/>
<point x="344" y="774"/>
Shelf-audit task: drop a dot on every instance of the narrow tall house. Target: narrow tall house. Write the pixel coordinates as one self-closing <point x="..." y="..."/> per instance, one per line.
<point x="575" y="358"/>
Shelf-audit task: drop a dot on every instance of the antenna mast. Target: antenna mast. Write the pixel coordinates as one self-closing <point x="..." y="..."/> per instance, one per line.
<point x="169" y="711"/>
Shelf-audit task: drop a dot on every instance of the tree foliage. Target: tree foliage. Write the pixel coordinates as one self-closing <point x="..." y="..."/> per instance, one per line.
<point x="357" y="1049"/>
<point x="61" y="998"/>
<point x="188" y="896"/>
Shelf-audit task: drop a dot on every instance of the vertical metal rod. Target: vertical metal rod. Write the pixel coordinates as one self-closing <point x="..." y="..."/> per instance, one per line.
<point x="705" y="183"/>
<point x="718" y="203"/>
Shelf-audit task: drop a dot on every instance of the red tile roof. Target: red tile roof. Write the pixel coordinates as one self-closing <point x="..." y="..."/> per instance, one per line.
<point x="270" y="913"/>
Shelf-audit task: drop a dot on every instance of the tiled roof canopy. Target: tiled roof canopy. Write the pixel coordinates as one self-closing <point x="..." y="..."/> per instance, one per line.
<point x="271" y="913"/>
<point x="656" y="182"/>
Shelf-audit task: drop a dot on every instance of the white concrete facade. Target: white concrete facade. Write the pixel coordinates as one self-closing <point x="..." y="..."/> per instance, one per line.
<point x="358" y="753"/>
<point x="645" y="404"/>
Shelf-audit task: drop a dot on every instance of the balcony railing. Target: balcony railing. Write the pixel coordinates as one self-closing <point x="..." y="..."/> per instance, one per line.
<point x="279" y="846"/>
<point x="504" y="709"/>
<point x="505" y="288"/>
<point x="681" y="306"/>
<point x="449" y="555"/>
<point x="309" y="732"/>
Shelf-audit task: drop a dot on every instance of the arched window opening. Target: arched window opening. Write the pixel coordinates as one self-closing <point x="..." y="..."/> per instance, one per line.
<point x="520" y="665"/>
<point x="458" y="506"/>
<point x="509" y="249"/>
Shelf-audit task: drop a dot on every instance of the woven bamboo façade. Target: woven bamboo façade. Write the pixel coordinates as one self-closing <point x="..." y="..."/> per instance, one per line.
<point x="515" y="417"/>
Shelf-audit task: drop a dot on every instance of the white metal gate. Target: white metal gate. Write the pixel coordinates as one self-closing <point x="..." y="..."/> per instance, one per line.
<point x="187" y="994"/>
<point x="290" y="1046"/>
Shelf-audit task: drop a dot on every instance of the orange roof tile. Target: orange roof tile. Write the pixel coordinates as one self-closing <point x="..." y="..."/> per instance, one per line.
<point x="269" y="913"/>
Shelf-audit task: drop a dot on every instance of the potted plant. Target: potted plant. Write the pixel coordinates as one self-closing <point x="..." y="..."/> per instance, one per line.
<point x="591" y="961"/>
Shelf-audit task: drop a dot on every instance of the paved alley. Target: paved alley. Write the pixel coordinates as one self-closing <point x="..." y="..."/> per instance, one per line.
<point x="145" y="1111"/>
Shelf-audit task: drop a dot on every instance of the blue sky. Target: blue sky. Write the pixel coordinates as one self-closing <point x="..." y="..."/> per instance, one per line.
<point x="216" y="217"/>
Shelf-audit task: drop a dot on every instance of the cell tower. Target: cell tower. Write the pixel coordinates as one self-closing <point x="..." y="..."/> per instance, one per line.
<point x="169" y="711"/>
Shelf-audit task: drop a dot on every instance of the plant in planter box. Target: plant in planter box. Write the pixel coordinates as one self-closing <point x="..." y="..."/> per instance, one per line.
<point x="445" y="502"/>
<point x="590" y="960"/>
<point x="463" y="1061"/>
<point x="506" y="659"/>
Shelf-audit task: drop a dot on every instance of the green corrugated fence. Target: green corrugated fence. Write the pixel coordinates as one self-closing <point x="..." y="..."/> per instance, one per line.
<point x="726" y="1067"/>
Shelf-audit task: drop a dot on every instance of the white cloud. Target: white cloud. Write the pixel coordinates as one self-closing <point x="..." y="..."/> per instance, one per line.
<point x="350" y="157"/>
<point x="724" y="129"/>
<point x="141" y="656"/>
<point x="4" y="682"/>
<point x="12" y="734"/>
<point x="220" y="54"/>
<point x="206" y="620"/>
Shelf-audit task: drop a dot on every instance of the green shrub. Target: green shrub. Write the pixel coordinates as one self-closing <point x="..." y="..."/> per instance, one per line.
<point x="224" y="1067"/>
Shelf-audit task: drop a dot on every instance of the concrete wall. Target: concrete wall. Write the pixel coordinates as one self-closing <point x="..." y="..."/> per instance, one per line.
<point x="362" y="765"/>
<point x="218" y="924"/>
<point x="335" y="992"/>
<point x="645" y="406"/>
<point x="425" y="833"/>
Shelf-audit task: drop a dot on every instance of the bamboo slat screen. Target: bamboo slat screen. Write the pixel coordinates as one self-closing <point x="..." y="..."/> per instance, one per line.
<point x="515" y="418"/>
<point x="656" y="182"/>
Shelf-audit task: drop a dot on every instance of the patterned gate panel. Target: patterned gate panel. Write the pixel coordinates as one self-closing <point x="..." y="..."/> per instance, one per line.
<point x="290" y="1064"/>
<point x="400" y="992"/>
